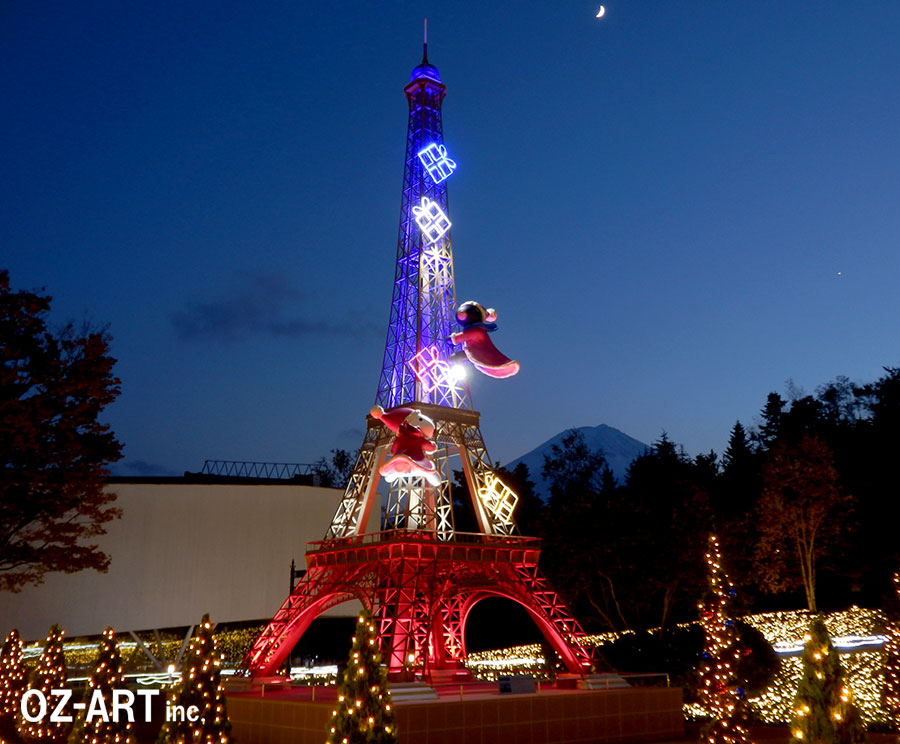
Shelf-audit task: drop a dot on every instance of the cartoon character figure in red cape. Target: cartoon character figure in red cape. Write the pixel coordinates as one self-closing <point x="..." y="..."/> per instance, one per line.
<point x="477" y="322"/>
<point x="411" y="447"/>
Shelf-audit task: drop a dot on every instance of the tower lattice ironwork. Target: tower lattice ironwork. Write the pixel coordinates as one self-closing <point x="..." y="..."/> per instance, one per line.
<point x="418" y="575"/>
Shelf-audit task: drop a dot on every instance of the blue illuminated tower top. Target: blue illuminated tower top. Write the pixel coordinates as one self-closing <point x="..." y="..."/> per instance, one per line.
<point x="417" y="365"/>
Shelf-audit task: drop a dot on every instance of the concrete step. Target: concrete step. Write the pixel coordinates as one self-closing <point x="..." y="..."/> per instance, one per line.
<point x="605" y="681"/>
<point x="410" y="692"/>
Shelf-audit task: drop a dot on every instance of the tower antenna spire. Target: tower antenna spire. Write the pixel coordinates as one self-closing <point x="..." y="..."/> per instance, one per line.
<point x="425" y="45"/>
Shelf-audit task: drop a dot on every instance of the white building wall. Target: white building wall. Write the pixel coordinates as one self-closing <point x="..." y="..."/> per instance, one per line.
<point x="182" y="550"/>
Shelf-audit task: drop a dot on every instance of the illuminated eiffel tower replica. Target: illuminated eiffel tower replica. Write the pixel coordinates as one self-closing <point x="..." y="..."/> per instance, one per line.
<point x="418" y="575"/>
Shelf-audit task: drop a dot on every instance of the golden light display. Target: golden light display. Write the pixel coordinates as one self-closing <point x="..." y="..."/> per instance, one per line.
<point x="363" y="713"/>
<point x="50" y="674"/>
<point x="195" y="708"/>
<point x="892" y="666"/>
<point x="107" y="676"/>
<point x="720" y="693"/>
<point x="13" y="680"/>
<point x="823" y="709"/>
<point x="497" y="498"/>
<point x="863" y="662"/>
<point x="527" y="659"/>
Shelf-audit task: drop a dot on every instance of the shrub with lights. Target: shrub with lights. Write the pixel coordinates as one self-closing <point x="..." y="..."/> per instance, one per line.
<point x="719" y="690"/>
<point x="363" y="714"/>
<point x="13" y="680"/>
<point x="891" y="695"/>
<point x="823" y="706"/>
<point x="200" y="686"/>
<point x="107" y="676"/>
<point x="49" y="674"/>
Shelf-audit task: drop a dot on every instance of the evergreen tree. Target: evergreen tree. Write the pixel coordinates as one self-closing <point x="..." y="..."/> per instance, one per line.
<point x="199" y="688"/>
<point x="107" y="676"/>
<point x="13" y="679"/>
<point x="720" y="692"/>
<point x="363" y="714"/>
<point x="50" y="674"/>
<point x="608" y="481"/>
<point x="772" y="419"/>
<point x="739" y="450"/>
<point x="891" y="694"/>
<point x="823" y="706"/>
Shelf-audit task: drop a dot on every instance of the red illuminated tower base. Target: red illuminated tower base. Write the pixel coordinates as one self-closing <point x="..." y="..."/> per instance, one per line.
<point x="426" y="590"/>
<point x="420" y="583"/>
<point x="418" y="575"/>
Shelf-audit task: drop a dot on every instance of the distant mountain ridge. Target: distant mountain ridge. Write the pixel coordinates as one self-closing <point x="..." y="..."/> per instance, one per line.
<point x="618" y="448"/>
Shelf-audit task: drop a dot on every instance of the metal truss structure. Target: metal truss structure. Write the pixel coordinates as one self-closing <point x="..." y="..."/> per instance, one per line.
<point x="418" y="575"/>
<point x="265" y="470"/>
<point x="424" y="300"/>
<point x="421" y="591"/>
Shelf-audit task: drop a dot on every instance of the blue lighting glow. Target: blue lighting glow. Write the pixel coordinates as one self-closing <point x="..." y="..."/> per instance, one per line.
<point x="434" y="158"/>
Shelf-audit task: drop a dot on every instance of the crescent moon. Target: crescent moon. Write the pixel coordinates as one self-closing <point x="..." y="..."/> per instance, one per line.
<point x="601" y="12"/>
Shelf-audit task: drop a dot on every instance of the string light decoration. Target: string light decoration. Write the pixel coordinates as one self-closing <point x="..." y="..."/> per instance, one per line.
<point x="198" y="694"/>
<point x="720" y="692"/>
<point x="107" y="676"/>
<point x="49" y="674"/>
<point x="363" y="713"/>
<point x="13" y="680"/>
<point x="891" y="695"/>
<point x="823" y="708"/>
<point x="863" y="664"/>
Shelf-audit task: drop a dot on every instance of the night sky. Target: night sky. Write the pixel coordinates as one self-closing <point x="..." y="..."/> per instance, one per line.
<point x="675" y="208"/>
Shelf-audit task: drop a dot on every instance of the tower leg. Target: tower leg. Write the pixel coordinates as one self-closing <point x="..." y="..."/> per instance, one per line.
<point x="403" y="612"/>
<point x="320" y="589"/>
<point x="353" y="512"/>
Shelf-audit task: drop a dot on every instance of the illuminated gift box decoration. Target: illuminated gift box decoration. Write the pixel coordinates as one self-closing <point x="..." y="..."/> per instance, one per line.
<point x="434" y="158"/>
<point x="430" y="369"/>
<point x="497" y="498"/>
<point x="431" y="220"/>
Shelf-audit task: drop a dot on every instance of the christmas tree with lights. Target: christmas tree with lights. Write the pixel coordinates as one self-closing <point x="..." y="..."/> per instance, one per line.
<point x="720" y="692"/>
<point x="891" y="695"/>
<point x="13" y="680"/>
<point x="199" y="690"/>
<point x="363" y="714"/>
<point x="50" y="674"/>
<point x="823" y="706"/>
<point x="107" y="676"/>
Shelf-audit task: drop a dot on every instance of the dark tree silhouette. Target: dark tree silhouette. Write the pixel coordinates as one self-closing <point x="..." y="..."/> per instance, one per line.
<point x="800" y="515"/>
<point x="670" y="515"/>
<point x="334" y="474"/>
<point x="529" y="508"/>
<point x="54" y="451"/>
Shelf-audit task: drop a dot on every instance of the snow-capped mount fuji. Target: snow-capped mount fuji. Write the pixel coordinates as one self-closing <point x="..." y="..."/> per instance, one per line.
<point x="618" y="448"/>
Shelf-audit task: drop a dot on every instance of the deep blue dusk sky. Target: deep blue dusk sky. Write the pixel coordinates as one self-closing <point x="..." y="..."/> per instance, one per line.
<point x="674" y="209"/>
